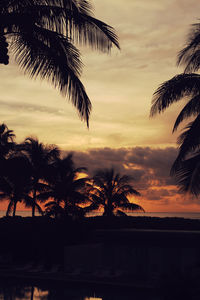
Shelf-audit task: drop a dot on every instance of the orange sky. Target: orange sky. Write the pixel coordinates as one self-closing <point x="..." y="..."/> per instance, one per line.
<point x="120" y="87"/>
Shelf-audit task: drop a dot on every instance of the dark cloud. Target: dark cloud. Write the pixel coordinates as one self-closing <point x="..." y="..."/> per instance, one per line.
<point x="149" y="167"/>
<point x="140" y="162"/>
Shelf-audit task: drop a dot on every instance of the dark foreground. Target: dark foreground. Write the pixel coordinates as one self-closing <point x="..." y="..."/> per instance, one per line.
<point x="139" y="255"/>
<point x="43" y="239"/>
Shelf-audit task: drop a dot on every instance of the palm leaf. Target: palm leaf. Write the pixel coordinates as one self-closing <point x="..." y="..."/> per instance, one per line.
<point x="127" y="190"/>
<point x="189" y="141"/>
<point x="39" y="209"/>
<point x="85" y="29"/>
<point x="131" y="206"/>
<point x="45" y="196"/>
<point x="120" y="213"/>
<point x="189" y="56"/>
<point x="92" y="207"/>
<point x="192" y="108"/>
<point x="53" y="57"/>
<point x="51" y="203"/>
<point x="173" y="90"/>
<point x="188" y="175"/>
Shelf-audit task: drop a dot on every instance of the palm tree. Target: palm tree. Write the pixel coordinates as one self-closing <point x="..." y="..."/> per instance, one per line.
<point x="66" y="189"/>
<point x="177" y="88"/>
<point x="6" y="141"/>
<point x="184" y="86"/>
<point x="15" y="183"/>
<point x="42" y="35"/>
<point x="110" y="191"/>
<point x="7" y="146"/>
<point x="188" y="175"/>
<point x="40" y="156"/>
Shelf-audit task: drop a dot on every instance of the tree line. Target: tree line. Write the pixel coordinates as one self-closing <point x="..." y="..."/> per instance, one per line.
<point x="38" y="176"/>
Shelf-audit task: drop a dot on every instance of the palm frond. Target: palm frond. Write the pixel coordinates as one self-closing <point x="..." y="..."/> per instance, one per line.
<point x="192" y="108"/>
<point x="53" y="57"/>
<point x="85" y="29"/>
<point x="76" y="197"/>
<point x="92" y="207"/>
<point x="127" y="190"/>
<point x="131" y="206"/>
<point x="39" y="209"/>
<point x="120" y="213"/>
<point x="28" y="201"/>
<point x="50" y="203"/>
<point x="188" y="175"/>
<point x="173" y="90"/>
<point x="73" y="18"/>
<point x="43" y="196"/>
<point x="189" y="56"/>
<point x="98" y="199"/>
<point x="189" y="141"/>
<point x="123" y="180"/>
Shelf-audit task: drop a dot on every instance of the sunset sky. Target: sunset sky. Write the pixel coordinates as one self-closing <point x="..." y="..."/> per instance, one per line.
<point x="120" y="86"/>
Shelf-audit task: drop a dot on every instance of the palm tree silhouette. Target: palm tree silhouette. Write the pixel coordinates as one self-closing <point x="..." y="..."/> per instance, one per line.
<point x="66" y="188"/>
<point x="110" y="191"/>
<point x="188" y="175"/>
<point x="40" y="156"/>
<point x="6" y="141"/>
<point x="183" y="86"/>
<point x="42" y="35"/>
<point x="7" y="146"/>
<point x="15" y="183"/>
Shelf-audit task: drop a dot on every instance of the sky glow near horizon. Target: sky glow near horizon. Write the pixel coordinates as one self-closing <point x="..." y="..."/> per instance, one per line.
<point x="120" y="86"/>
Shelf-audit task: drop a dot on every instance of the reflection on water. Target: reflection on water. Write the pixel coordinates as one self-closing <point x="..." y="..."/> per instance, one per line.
<point x="14" y="291"/>
<point x="93" y="298"/>
<point x="19" y="292"/>
<point x="22" y="293"/>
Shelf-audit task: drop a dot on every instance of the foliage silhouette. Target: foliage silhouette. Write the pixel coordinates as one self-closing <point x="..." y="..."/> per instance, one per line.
<point x="184" y="86"/>
<point x="66" y="188"/>
<point x="40" y="156"/>
<point x="42" y="35"/>
<point x="33" y="173"/>
<point x="7" y="143"/>
<point x="110" y="191"/>
<point x="15" y="183"/>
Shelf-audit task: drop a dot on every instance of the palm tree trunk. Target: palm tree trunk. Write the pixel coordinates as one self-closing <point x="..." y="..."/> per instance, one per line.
<point x="109" y="208"/>
<point x="14" y="208"/>
<point x="8" y="209"/>
<point x="34" y="200"/>
<point x="108" y="211"/>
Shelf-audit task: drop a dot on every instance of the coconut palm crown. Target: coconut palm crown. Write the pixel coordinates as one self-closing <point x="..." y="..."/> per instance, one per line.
<point x="40" y="157"/>
<point x="111" y="191"/>
<point x="185" y="86"/>
<point x="15" y="181"/>
<point x="7" y="143"/>
<point x="41" y="34"/>
<point x="65" y="189"/>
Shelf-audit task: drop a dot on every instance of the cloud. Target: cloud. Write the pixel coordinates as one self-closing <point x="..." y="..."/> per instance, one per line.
<point x="149" y="167"/>
<point x="27" y="108"/>
<point x="145" y="164"/>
